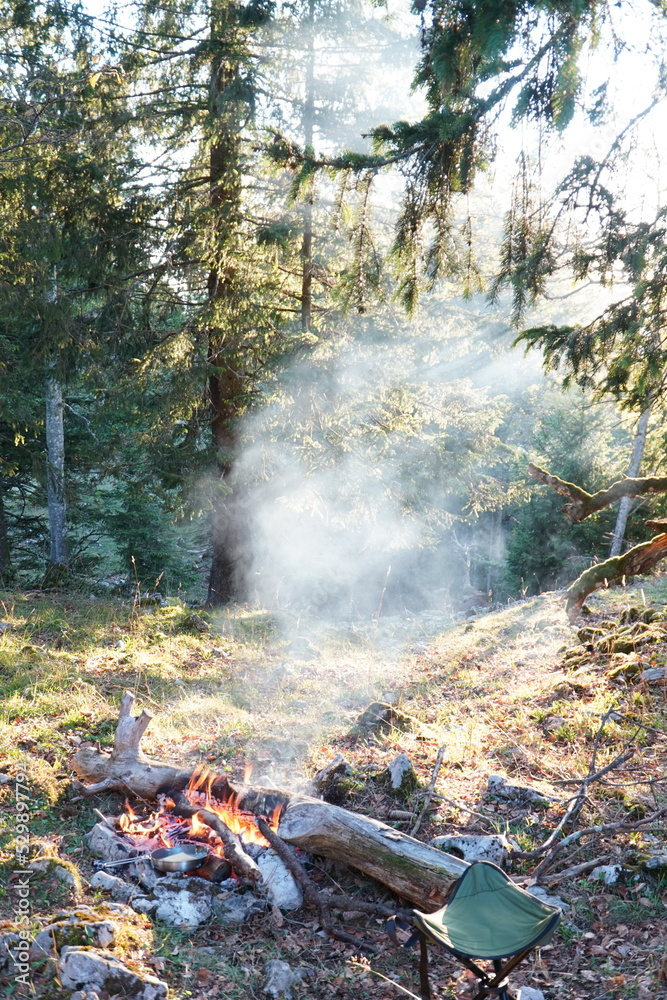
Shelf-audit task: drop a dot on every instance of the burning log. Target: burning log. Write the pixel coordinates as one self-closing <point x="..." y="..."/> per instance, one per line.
<point x="214" y="870"/>
<point x="408" y="867"/>
<point x="242" y="864"/>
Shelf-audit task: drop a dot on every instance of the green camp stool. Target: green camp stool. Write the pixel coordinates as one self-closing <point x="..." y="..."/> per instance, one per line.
<point x="486" y="917"/>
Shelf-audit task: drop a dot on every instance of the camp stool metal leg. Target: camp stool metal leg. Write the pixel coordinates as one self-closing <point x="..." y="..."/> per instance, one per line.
<point x="491" y="986"/>
<point x="424" y="984"/>
<point x="417" y="935"/>
<point x="497" y="985"/>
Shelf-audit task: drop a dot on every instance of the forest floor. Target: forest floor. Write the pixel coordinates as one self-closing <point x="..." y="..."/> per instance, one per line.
<point x="501" y="691"/>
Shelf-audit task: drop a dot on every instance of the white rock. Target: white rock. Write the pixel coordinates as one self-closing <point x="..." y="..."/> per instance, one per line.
<point x="8" y="943"/>
<point x="607" y="873"/>
<point x="401" y="772"/>
<point x="528" y="993"/>
<point x="87" y="969"/>
<point x="146" y="875"/>
<point x="282" y="888"/>
<point x="181" y="908"/>
<point x="657" y="861"/>
<point x="652" y="674"/>
<point x="143" y="904"/>
<point x="539" y="893"/>
<point x="476" y="848"/>
<point x="230" y="908"/>
<point x="104" y="842"/>
<point x="55" y="867"/>
<point x="500" y="787"/>
<point x="118" y="887"/>
<point x="183" y="900"/>
<point x="53" y="938"/>
<point x="280" y="978"/>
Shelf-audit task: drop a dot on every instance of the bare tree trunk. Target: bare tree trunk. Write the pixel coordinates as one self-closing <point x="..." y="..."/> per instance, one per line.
<point x="55" y="472"/>
<point x="308" y="120"/>
<point x="495" y="530"/>
<point x="625" y="505"/>
<point x="5" y="553"/>
<point x="225" y="378"/>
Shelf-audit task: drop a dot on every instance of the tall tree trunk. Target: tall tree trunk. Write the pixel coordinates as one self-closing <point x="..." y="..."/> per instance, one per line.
<point x="55" y="472"/>
<point x="495" y="533"/>
<point x="5" y="552"/>
<point x="308" y="121"/>
<point x="625" y="504"/>
<point x="225" y="379"/>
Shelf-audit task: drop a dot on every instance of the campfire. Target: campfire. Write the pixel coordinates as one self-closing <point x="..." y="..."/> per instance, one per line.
<point x="239" y="821"/>
<point x="179" y="820"/>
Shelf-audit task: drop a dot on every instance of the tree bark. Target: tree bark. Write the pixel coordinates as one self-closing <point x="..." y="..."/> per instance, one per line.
<point x="5" y="551"/>
<point x="308" y="121"/>
<point x="55" y="472"/>
<point x="625" y="506"/>
<point x="411" y="869"/>
<point x="639" y="559"/>
<point x="584" y="504"/>
<point x="225" y="376"/>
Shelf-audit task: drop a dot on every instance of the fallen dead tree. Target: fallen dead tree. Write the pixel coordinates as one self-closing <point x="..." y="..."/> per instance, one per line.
<point x="582" y="504"/>
<point x="408" y="867"/>
<point x="640" y="559"/>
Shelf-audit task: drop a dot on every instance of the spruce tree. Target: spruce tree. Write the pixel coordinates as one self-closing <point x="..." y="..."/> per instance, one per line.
<point x="75" y="238"/>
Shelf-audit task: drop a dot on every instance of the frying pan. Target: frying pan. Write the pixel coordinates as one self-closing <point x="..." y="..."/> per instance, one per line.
<point x="162" y="859"/>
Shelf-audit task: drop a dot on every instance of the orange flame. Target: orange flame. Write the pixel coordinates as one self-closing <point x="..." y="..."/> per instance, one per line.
<point x="165" y="828"/>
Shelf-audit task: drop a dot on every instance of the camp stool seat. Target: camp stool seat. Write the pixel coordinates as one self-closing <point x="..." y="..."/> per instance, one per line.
<point x="486" y="917"/>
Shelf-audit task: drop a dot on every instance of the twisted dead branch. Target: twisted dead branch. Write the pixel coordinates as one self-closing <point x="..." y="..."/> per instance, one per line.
<point x="311" y="894"/>
<point x="640" y="559"/>
<point x="583" y="504"/>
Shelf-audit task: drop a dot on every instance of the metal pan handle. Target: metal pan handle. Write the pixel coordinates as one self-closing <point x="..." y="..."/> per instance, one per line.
<point x="117" y="864"/>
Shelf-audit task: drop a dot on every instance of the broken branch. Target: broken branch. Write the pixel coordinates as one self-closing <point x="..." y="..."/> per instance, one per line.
<point x="551" y="844"/>
<point x="579" y="869"/>
<point x="639" y="559"/>
<point x="583" y="504"/>
<point x="310" y="892"/>
<point x="619" y="826"/>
